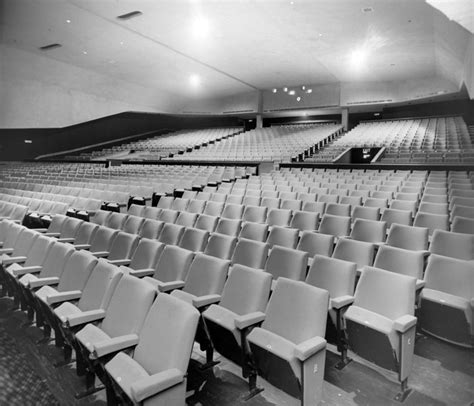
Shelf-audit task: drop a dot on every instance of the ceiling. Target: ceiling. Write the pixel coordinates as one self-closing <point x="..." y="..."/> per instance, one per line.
<point x="249" y="44"/>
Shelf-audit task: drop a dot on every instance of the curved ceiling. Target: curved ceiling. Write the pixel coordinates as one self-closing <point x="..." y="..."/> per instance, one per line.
<point x="239" y="46"/>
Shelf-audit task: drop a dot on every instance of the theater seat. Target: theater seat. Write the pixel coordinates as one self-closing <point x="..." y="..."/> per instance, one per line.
<point x="369" y="231"/>
<point x="451" y="244"/>
<point x="35" y="258"/>
<point x="101" y="243"/>
<point x="338" y="278"/>
<point x="432" y="221"/>
<point x="337" y="226"/>
<point x="463" y="225"/>
<point x="407" y="237"/>
<point x="156" y="373"/>
<point x="122" y="249"/>
<point x="255" y="214"/>
<point x="359" y="252"/>
<point x="243" y="302"/>
<point x="145" y="257"/>
<point x="447" y="301"/>
<point x="205" y="281"/>
<point x="289" y="350"/>
<point x="380" y="324"/>
<point x="402" y="261"/>
<point x="282" y="236"/>
<point x="120" y="323"/>
<point x="229" y="226"/>
<point x="171" y="234"/>
<point x="96" y="295"/>
<point x="254" y="231"/>
<point x="250" y="253"/>
<point x="220" y="246"/>
<point x="170" y="271"/>
<point x="287" y="263"/>
<point x="194" y="239"/>
<point x="151" y="229"/>
<point x="316" y="243"/>
<point x="77" y="270"/>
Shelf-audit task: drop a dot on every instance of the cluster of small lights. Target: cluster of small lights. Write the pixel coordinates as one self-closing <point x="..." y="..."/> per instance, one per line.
<point x="292" y="92"/>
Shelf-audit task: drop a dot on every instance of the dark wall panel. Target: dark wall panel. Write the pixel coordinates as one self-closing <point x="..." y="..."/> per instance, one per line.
<point x="44" y="141"/>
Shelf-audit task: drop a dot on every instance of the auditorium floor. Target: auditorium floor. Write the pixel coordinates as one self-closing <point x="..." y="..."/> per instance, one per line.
<point x="442" y="375"/>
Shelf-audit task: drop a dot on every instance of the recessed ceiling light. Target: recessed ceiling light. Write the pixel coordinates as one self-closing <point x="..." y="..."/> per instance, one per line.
<point x="285" y="89"/>
<point x="291" y="92"/>
<point x="68" y="21"/>
<point x="84" y="52"/>
<point x="274" y="90"/>
<point x="28" y="142"/>
<point x="376" y="114"/>
<point x="303" y="87"/>
<point x="200" y="27"/>
<point x="121" y="42"/>
<point x="358" y="58"/>
<point x="298" y="98"/>
<point x="309" y="91"/>
<point x="195" y="80"/>
<point x="292" y="2"/>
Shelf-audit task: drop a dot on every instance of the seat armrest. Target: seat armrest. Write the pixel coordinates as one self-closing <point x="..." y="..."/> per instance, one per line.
<point x="66" y="239"/>
<point x="404" y="323"/>
<point x="11" y="260"/>
<point x="205" y="300"/>
<point x="101" y="254"/>
<point x="51" y="234"/>
<point x="249" y="319"/>
<point x="165" y="286"/>
<point x="153" y="384"/>
<point x="27" y="269"/>
<point x="420" y="284"/>
<point x="119" y="262"/>
<point x="40" y="230"/>
<point x="6" y="250"/>
<point x="140" y="273"/>
<point x="309" y="347"/>
<point x="83" y="318"/>
<point x="426" y="253"/>
<point x="53" y="280"/>
<point x="63" y="296"/>
<point x="115" y="344"/>
<point x="341" y="301"/>
<point x="82" y="246"/>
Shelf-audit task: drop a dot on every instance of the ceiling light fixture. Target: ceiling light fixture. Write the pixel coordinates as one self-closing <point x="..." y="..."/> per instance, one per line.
<point x="195" y="80"/>
<point x="303" y="87"/>
<point x="358" y="58"/>
<point x="130" y="15"/>
<point x="298" y="98"/>
<point x="309" y="91"/>
<point x="68" y="21"/>
<point x="84" y="52"/>
<point x="200" y="27"/>
<point x="291" y="92"/>
<point x="49" y="47"/>
<point x="274" y="90"/>
<point x="285" y="89"/>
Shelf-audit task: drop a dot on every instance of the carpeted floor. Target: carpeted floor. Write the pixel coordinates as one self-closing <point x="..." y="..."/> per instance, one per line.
<point x="19" y="383"/>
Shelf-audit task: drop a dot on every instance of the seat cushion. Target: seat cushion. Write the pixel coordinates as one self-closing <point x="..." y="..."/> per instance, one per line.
<point x="66" y="309"/>
<point x="44" y="292"/>
<point x="446" y="299"/>
<point x="276" y="345"/>
<point x="224" y="318"/>
<point x="91" y="335"/>
<point x="125" y="371"/>
<point x="375" y="321"/>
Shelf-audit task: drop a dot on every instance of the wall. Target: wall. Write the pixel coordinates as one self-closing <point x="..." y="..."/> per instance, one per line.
<point x="44" y="141"/>
<point x="469" y="68"/>
<point x="236" y="104"/>
<point x="40" y="92"/>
